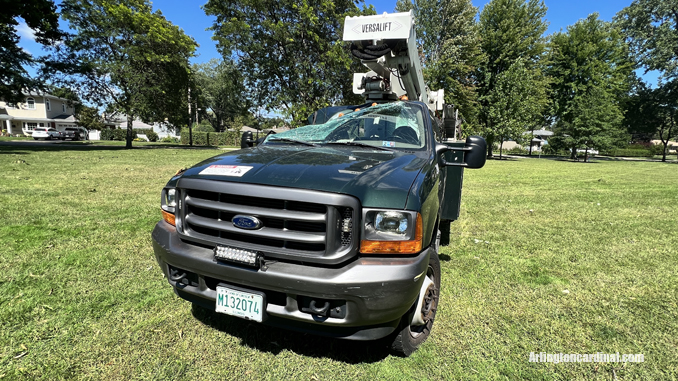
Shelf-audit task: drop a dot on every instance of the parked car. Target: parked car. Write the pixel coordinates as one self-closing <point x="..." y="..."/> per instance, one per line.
<point x="73" y="133"/>
<point x="46" y="133"/>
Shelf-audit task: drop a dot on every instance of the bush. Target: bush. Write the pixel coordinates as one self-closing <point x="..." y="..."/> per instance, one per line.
<point x="116" y="134"/>
<point x="152" y="136"/>
<point x="628" y="152"/>
<point x="203" y="127"/>
<point x="169" y="139"/>
<point x="230" y="138"/>
<point x="516" y="151"/>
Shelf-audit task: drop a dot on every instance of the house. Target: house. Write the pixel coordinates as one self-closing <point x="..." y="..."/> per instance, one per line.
<point x="37" y="110"/>
<point x="539" y="138"/>
<point x="120" y="121"/>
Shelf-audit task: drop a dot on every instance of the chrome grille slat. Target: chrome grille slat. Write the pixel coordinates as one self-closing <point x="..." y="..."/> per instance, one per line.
<point x="264" y="232"/>
<point x="255" y="211"/>
<point x="298" y="224"/>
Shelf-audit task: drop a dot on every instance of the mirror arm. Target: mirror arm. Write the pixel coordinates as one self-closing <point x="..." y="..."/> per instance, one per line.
<point x="446" y="148"/>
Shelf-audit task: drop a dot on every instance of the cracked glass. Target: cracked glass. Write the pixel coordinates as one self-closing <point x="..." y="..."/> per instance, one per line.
<point x="390" y="125"/>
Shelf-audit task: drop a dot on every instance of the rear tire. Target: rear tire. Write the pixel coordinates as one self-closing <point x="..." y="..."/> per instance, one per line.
<point x="410" y="337"/>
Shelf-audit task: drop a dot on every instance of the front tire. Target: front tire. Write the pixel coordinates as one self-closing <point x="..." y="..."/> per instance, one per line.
<point x="412" y="335"/>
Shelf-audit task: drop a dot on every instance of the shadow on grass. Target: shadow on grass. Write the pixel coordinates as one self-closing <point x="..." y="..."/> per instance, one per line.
<point x="444" y="257"/>
<point x="274" y="340"/>
<point x="503" y="158"/>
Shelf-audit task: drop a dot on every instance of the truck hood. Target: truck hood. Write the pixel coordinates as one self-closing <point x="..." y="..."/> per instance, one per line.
<point x="376" y="178"/>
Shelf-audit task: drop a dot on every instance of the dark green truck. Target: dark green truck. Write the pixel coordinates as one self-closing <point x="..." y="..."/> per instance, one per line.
<point x="331" y="229"/>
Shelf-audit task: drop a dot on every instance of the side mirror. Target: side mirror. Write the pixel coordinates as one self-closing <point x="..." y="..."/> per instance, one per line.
<point x="475" y="153"/>
<point x="246" y="140"/>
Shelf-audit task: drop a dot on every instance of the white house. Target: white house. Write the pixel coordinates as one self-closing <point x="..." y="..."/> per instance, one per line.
<point x="37" y="110"/>
<point x="120" y="121"/>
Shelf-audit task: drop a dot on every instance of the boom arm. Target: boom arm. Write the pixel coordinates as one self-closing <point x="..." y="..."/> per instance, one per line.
<point x="387" y="45"/>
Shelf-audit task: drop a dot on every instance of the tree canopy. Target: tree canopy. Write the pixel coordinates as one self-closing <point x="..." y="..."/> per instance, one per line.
<point x="591" y="72"/>
<point x="450" y="43"/>
<point x="291" y="53"/>
<point x="651" y="28"/>
<point x="222" y="92"/>
<point x="512" y="31"/>
<point x="42" y="18"/>
<point x="128" y="57"/>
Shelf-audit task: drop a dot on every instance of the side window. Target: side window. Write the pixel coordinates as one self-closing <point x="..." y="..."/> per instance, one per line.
<point x="30" y="103"/>
<point x="48" y="105"/>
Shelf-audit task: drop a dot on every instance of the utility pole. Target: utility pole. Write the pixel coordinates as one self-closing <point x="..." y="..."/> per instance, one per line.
<point x="190" y="116"/>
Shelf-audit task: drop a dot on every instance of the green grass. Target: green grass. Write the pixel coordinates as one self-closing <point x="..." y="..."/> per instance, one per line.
<point x="82" y="297"/>
<point x="12" y="138"/>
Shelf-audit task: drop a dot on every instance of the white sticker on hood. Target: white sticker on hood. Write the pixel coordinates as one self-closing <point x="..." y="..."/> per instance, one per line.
<point x="226" y="170"/>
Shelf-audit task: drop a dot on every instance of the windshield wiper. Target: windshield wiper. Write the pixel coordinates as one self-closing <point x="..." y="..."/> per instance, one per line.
<point x="354" y="143"/>
<point x="292" y="141"/>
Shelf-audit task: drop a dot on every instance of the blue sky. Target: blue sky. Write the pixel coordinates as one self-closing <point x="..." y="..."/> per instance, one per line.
<point x="189" y="16"/>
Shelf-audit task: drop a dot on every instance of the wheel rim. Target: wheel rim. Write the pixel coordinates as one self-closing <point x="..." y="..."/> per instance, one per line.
<point x="429" y="307"/>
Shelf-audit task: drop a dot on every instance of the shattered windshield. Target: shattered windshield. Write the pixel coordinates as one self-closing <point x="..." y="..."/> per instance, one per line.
<point x="391" y="125"/>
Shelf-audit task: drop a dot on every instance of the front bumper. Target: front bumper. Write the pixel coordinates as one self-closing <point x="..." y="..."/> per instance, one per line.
<point x="377" y="291"/>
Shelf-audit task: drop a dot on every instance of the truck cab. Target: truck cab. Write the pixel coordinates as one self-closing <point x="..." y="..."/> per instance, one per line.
<point x="332" y="228"/>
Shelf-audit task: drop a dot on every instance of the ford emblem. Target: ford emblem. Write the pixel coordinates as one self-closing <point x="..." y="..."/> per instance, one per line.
<point x="246" y="222"/>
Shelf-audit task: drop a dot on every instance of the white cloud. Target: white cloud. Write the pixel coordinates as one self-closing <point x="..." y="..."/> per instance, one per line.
<point x="25" y="32"/>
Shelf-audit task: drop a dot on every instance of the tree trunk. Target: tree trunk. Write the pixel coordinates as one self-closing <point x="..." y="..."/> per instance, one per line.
<point x="586" y="155"/>
<point x="501" y="146"/>
<point x="573" y="154"/>
<point x="490" y="146"/>
<point x="129" y="138"/>
<point x="665" y="144"/>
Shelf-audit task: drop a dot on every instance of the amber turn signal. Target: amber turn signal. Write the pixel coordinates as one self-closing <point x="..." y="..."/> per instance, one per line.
<point x="169" y="218"/>
<point x="396" y="247"/>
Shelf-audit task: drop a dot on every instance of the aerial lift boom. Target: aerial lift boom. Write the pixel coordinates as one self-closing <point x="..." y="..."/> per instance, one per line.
<point x="387" y="45"/>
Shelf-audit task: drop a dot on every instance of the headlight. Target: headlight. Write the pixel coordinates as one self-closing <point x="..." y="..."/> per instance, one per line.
<point x="391" y="232"/>
<point x="168" y="201"/>
<point x="172" y="197"/>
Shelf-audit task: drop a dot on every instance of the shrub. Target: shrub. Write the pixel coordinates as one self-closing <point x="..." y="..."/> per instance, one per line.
<point x="152" y="136"/>
<point x="628" y="152"/>
<point x="516" y="151"/>
<point x="231" y="138"/>
<point x="116" y="134"/>
<point x="169" y="139"/>
<point x="203" y="127"/>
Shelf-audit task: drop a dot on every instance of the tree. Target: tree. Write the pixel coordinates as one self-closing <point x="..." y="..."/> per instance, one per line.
<point x="89" y="118"/>
<point x="654" y="112"/>
<point x="651" y="28"/>
<point x="222" y="92"/>
<point x="450" y="43"/>
<point x="516" y="102"/>
<point x="128" y="57"/>
<point x="591" y="71"/>
<point x="291" y="53"/>
<point x="41" y="17"/>
<point x="511" y="30"/>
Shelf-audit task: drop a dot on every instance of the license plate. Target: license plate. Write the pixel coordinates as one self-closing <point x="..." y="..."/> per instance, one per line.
<point x="238" y="303"/>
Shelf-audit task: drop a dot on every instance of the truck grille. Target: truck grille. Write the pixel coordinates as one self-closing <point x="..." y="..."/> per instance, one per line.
<point x="297" y="224"/>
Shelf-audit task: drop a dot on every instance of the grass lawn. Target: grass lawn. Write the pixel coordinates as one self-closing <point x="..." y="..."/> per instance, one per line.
<point x="13" y="138"/>
<point x="82" y="297"/>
